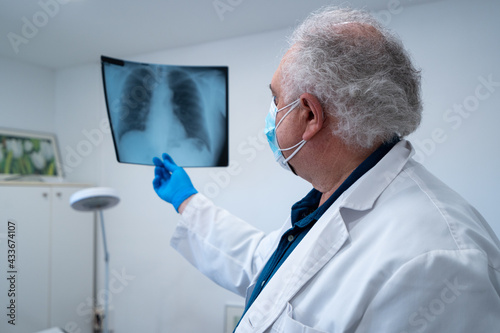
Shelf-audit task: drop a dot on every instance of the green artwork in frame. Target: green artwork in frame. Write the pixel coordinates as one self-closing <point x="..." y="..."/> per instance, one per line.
<point x="25" y="154"/>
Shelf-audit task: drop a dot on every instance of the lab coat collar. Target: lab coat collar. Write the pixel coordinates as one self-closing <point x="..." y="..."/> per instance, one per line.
<point x="368" y="188"/>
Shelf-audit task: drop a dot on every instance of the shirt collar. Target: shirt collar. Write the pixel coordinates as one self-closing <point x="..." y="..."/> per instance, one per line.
<point x="306" y="211"/>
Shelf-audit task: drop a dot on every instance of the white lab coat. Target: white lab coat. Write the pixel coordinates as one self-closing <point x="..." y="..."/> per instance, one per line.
<point x="398" y="252"/>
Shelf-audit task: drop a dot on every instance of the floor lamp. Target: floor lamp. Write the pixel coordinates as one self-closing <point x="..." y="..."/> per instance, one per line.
<point x="96" y="199"/>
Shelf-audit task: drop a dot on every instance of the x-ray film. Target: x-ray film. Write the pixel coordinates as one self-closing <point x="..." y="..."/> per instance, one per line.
<point x="179" y="110"/>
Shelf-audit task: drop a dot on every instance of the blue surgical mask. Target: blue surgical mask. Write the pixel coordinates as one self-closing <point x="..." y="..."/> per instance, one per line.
<point x="270" y="131"/>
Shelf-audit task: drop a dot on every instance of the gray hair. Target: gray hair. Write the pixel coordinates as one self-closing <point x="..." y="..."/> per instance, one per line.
<point x="360" y="73"/>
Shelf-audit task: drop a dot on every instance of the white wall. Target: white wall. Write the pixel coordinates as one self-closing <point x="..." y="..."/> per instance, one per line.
<point x="455" y="44"/>
<point x="26" y="96"/>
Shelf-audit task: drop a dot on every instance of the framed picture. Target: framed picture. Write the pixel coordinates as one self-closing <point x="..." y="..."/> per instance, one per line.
<point x="233" y="315"/>
<point x="28" y="155"/>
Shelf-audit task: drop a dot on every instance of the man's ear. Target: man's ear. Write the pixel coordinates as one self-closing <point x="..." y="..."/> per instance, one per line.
<point x="314" y="115"/>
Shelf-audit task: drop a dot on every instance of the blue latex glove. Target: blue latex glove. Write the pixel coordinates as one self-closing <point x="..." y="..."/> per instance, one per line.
<point x="171" y="182"/>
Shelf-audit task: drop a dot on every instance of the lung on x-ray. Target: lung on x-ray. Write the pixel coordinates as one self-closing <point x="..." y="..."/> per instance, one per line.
<point x="179" y="110"/>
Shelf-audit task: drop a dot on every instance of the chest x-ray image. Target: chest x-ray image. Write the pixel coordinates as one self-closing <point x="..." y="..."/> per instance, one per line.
<point x="179" y="110"/>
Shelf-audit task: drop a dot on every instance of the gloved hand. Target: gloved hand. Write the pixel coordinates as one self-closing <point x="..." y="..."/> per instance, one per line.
<point x="171" y="182"/>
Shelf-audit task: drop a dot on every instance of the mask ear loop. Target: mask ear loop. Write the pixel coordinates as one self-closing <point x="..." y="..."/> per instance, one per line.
<point x="301" y="143"/>
<point x="293" y="106"/>
<point x="298" y="145"/>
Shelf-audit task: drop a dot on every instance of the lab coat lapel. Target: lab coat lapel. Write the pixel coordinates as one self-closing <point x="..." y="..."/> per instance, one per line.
<point x="315" y="250"/>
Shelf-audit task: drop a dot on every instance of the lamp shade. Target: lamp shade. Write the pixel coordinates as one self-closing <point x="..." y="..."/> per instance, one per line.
<point x="95" y="198"/>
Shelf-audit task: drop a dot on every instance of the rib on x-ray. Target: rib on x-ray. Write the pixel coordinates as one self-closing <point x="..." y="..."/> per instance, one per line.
<point x="180" y="110"/>
<point x="188" y="105"/>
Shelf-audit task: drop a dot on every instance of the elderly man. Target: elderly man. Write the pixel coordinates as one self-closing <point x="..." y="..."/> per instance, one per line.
<point x="379" y="244"/>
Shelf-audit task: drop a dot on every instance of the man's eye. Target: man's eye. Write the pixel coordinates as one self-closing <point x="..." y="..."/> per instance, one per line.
<point x="275" y="101"/>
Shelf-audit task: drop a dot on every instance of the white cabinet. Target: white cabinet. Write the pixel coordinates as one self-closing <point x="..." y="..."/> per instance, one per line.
<point x="46" y="265"/>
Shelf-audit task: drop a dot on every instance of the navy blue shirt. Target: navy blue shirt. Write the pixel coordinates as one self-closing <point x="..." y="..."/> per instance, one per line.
<point x="306" y="212"/>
